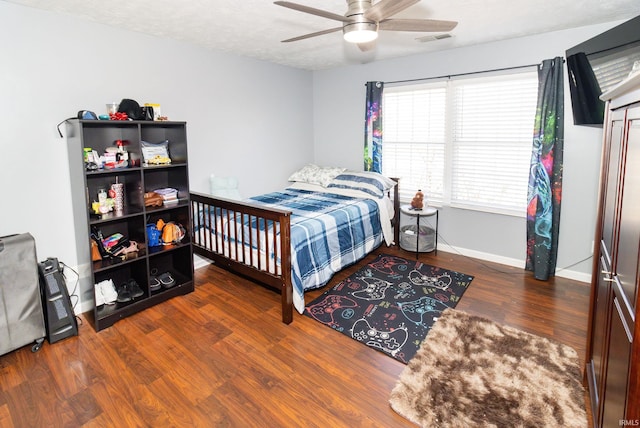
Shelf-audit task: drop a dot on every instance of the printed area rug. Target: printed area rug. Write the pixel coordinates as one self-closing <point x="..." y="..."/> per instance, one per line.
<point x="473" y="372"/>
<point x="390" y="304"/>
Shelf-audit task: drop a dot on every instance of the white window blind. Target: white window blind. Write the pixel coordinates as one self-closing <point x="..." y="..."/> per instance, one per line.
<point x="492" y="137"/>
<point x="611" y="68"/>
<point x="464" y="142"/>
<point x="414" y="139"/>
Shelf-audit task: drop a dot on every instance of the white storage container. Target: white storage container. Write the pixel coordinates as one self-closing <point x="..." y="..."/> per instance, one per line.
<point x="426" y="241"/>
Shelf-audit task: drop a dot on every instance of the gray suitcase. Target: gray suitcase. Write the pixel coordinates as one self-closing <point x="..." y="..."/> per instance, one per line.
<point x="21" y="315"/>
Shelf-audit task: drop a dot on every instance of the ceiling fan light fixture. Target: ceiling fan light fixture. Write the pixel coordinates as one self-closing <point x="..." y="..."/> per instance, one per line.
<point x="360" y="32"/>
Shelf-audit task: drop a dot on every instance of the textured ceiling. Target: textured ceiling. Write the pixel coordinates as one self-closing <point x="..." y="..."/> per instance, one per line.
<point x="254" y="28"/>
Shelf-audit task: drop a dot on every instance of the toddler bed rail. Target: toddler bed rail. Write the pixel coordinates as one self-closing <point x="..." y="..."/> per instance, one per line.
<point x="229" y="249"/>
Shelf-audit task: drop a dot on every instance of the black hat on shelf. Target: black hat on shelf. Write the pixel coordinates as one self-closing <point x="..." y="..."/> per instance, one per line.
<point x="131" y="108"/>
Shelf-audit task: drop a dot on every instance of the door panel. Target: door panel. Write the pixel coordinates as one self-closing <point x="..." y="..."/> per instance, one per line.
<point x="626" y="266"/>
<point x="614" y="400"/>
<point x="600" y="330"/>
<point x="612" y="184"/>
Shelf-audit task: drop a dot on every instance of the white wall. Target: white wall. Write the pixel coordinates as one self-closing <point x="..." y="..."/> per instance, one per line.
<point x="339" y="99"/>
<point x="243" y="115"/>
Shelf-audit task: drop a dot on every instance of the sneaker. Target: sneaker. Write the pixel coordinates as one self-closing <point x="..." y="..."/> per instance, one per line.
<point x="98" y="295"/>
<point x="166" y="280"/>
<point x="105" y="292"/>
<point x="109" y="291"/>
<point x="154" y="284"/>
<point x="124" y="293"/>
<point x="135" y="289"/>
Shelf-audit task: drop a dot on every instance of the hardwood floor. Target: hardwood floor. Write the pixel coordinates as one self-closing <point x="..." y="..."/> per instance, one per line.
<point x="221" y="357"/>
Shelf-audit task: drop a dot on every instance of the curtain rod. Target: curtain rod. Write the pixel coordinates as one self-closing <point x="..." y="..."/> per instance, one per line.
<point x="448" y="76"/>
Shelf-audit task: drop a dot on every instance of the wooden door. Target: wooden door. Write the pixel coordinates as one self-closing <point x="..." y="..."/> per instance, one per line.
<point x="627" y="268"/>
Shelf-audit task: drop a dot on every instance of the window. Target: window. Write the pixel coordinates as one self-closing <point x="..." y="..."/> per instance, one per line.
<point x="611" y="68"/>
<point x="464" y="142"/>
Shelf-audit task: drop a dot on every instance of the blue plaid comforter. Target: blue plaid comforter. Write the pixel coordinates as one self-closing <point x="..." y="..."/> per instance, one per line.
<point x="328" y="232"/>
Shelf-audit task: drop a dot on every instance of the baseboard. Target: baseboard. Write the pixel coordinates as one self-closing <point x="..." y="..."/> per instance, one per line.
<point x="575" y="275"/>
<point x="563" y="273"/>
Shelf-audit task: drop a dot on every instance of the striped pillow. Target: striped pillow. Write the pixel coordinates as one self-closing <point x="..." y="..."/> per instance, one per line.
<point x="373" y="183"/>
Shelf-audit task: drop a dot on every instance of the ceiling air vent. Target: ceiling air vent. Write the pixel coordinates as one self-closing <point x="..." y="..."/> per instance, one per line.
<point x="432" y="38"/>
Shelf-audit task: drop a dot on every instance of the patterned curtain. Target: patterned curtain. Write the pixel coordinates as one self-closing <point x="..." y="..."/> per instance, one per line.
<point x="373" y="128"/>
<point x="545" y="175"/>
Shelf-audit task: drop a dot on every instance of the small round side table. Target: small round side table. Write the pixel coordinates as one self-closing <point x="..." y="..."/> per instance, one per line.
<point x="424" y="212"/>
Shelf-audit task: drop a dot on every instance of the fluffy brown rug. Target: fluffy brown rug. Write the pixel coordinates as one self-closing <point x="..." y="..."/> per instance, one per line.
<point x="473" y="372"/>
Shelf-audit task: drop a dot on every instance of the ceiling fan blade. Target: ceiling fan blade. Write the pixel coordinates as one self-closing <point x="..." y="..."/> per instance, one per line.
<point x="387" y="8"/>
<point x="366" y="47"/>
<point x="312" y="11"/>
<point x="317" y="33"/>
<point x="427" y="25"/>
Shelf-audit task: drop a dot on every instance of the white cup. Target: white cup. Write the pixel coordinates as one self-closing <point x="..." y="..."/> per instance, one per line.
<point x="112" y="108"/>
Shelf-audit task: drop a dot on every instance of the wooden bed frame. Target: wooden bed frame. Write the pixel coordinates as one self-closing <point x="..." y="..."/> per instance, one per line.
<point x="221" y="209"/>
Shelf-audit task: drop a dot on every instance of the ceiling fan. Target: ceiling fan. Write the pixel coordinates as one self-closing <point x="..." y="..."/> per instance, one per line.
<point x="362" y="21"/>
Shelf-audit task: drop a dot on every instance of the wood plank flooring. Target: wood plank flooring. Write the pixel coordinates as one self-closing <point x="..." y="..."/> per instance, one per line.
<point x="220" y="357"/>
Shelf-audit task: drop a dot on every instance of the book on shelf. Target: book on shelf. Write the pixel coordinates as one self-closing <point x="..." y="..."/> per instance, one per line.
<point x="170" y="202"/>
<point x="167" y="193"/>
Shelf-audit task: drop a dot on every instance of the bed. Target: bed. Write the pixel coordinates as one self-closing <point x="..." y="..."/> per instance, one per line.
<point x="294" y="240"/>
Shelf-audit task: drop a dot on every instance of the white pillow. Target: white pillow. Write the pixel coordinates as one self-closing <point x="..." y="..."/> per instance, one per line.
<point x="314" y="174"/>
<point x="225" y="187"/>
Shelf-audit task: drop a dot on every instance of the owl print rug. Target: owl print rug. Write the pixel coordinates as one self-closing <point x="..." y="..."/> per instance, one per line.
<point x="390" y="304"/>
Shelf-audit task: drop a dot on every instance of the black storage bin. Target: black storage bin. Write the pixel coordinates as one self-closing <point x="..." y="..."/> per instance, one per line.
<point x="21" y="315"/>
